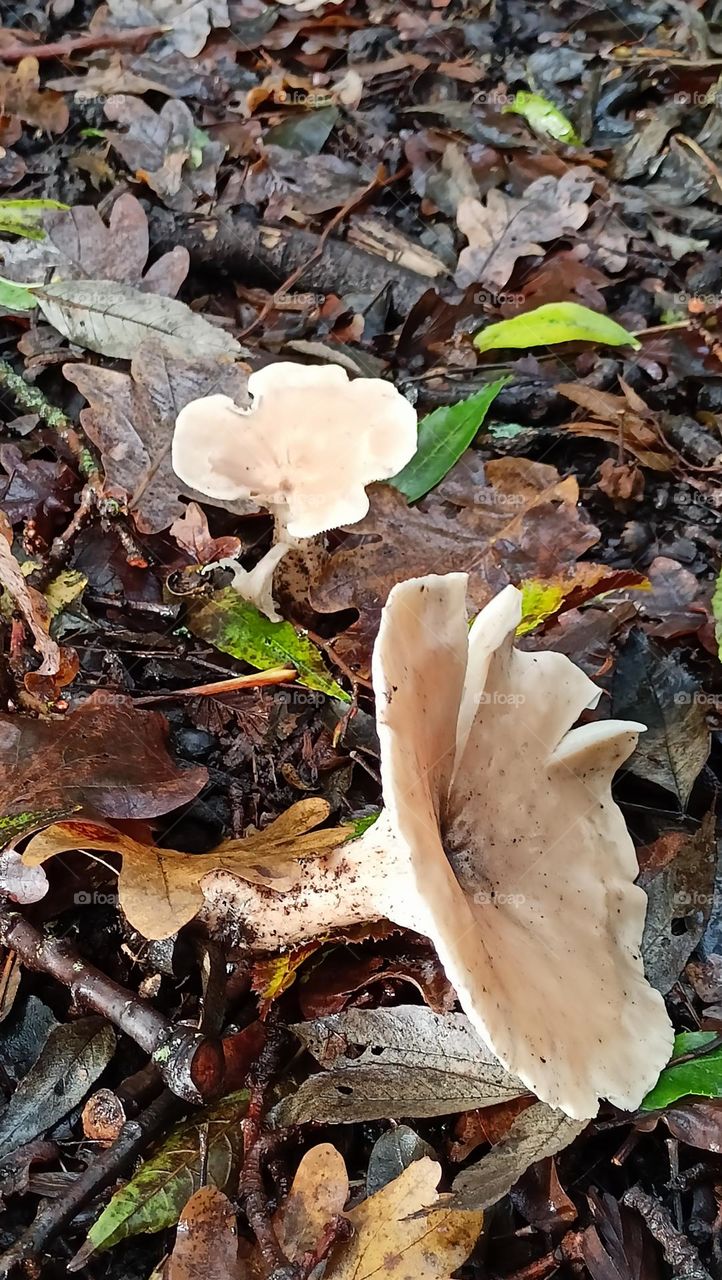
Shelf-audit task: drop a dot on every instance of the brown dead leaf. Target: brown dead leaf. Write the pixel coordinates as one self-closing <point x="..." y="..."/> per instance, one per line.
<point x="79" y="246"/>
<point x="131" y="420"/>
<point x="510" y="521"/>
<point x="318" y="1195"/>
<point x="165" y="150"/>
<point x="623" y="420"/>
<point x="59" y="666"/>
<point x="21" y="95"/>
<point x="206" y="1240"/>
<point x="192" y="534"/>
<point x="507" y="228"/>
<point x="621" y="481"/>
<point x="160" y="890"/>
<point x="106" y="759"/>
<point x="400" y="1235"/>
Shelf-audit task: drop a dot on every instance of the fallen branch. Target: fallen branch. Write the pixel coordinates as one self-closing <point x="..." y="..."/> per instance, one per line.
<point x="241" y="246"/>
<point x="190" y="1064"/>
<point x="679" y="1252"/>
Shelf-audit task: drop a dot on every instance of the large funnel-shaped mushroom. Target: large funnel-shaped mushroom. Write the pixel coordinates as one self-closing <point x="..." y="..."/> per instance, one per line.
<point x="306" y="448"/>
<point x="501" y="842"/>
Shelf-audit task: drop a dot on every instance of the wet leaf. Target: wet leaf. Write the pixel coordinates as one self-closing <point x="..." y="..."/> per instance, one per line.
<point x="624" y="418"/>
<point x="544" y="117"/>
<point x="59" y="666"/>
<point x="132" y="416"/>
<point x="542" y="600"/>
<point x="155" y="1196"/>
<point x="117" y="320"/>
<point x="540" y="1131"/>
<point x="305" y="133"/>
<point x="507" y="228"/>
<point x="398" y="1232"/>
<point x="680" y="894"/>
<point x="391" y="1154"/>
<point x="76" y="244"/>
<point x="701" y="1077"/>
<point x="652" y="686"/>
<point x="236" y="627"/>
<point x="165" y="149"/>
<point x="160" y="890"/>
<point x="555" y="322"/>
<point x="21" y="95"/>
<point x="73" y="1057"/>
<point x="106" y="758"/>
<point x="14" y="298"/>
<point x="186" y="30"/>
<point x="717" y="612"/>
<point x="25" y="217"/>
<point x="318" y="1195"/>
<point x="414" y="1062"/>
<point x="443" y="436"/>
<point x="206" y="1241"/>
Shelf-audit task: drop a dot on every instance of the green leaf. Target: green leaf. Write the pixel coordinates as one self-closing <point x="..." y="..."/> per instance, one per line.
<point x="717" y="612"/>
<point x="25" y="217"/>
<point x="554" y="322"/>
<point x="155" y="1196"/>
<point x="15" y="297"/>
<point x="544" y="117"/>
<point x="539" y="601"/>
<point x="443" y="437"/>
<point x="306" y="132"/>
<point x="235" y="626"/>
<point x="701" y="1077"/>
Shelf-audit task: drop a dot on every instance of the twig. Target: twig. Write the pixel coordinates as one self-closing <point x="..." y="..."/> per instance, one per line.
<point x="256" y="1147"/>
<point x="135" y="1136"/>
<point x="61" y="48"/>
<point x="256" y="680"/>
<point x="679" y="1252"/>
<point x="191" y="1064"/>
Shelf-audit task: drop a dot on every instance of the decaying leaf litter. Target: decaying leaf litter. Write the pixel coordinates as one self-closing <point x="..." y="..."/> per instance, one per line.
<point x="510" y="215"/>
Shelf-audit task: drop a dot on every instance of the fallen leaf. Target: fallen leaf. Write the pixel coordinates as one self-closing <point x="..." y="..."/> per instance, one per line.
<point x="21" y="95"/>
<point x="540" y="1131"/>
<point x="332" y="984"/>
<point x="318" y="1195"/>
<point x="25" y="217"/>
<point x="544" y="117"/>
<point x="413" y="1062"/>
<point x="192" y="534"/>
<point x="117" y="320"/>
<point x="19" y="882"/>
<point x="546" y="599"/>
<point x="504" y="522"/>
<point x="106" y="759"/>
<point x="699" y="1124"/>
<point x="399" y="1233"/>
<point x="391" y="1154"/>
<point x="77" y="245"/>
<point x="618" y="1245"/>
<point x="507" y="228"/>
<point x="131" y="420"/>
<point x="165" y="149"/>
<point x="187" y="29"/>
<point x="700" y="1077"/>
<point x="624" y="419"/>
<point x="206" y="1241"/>
<point x="161" y="889"/>
<point x="233" y="625"/>
<point x="654" y="687"/>
<point x="680" y="895"/>
<point x="541" y="1199"/>
<point x="443" y="436"/>
<point x="553" y="323"/>
<point x="717" y="613"/>
<point x="59" y="666"/>
<point x="73" y="1057"/>
<point x="154" y="1197"/>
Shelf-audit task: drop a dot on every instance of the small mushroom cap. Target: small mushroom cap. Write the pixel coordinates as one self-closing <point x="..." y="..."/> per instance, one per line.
<point x="522" y="865"/>
<point x="307" y="447"/>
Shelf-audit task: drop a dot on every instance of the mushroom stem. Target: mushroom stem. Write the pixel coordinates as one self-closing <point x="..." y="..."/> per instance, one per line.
<point x="354" y="884"/>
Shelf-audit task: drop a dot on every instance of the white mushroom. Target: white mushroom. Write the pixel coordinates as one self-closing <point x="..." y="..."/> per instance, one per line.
<point x="501" y="842"/>
<point x="306" y="448"/>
